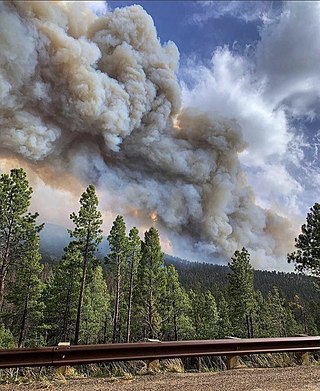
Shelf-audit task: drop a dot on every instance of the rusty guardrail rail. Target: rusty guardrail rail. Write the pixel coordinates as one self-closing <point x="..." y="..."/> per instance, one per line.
<point x="85" y="354"/>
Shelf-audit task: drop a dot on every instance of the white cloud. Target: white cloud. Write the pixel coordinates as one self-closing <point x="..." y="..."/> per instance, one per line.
<point x="274" y="177"/>
<point x="249" y="11"/>
<point x="288" y="56"/>
<point x="229" y="88"/>
<point x="264" y="93"/>
<point x="98" y="7"/>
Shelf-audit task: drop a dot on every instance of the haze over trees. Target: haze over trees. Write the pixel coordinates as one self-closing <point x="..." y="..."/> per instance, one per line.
<point x="134" y="294"/>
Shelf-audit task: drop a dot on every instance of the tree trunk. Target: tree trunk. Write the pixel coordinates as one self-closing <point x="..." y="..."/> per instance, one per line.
<point x="117" y="302"/>
<point x="248" y="326"/>
<point x="150" y="333"/>
<point x="196" y="323"/>
<point x="4" y="265"/>
<point x="130" y="300"/>
<point x="24" y="317"/>
<point x="2" y="278"/>
<point x="305" y="325"/>
<point x="251" y="326"/>
<point x="105" y="329"/>
<point x="175" y="321"/>
<point x="150" y="310"/>
<point x="83" y="283"/>
<point x="66" y="313"/>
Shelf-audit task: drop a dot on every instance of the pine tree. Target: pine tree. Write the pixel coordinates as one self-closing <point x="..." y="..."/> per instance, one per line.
<point x="278" y="315"/>
<point x="300" y="313"/>
<point x="176" y="323"/>
<point x="204" y="315"/>
<point x="116" y="258"/>
<point x="87" y="234"/>
<point x="15" y="222"/>
<point x="303" y="316"/>
<point x="7" y="340"/>
<point x="62" y="295"/>
<point x="307" y="255"/>
<point x="224" y="324"/>
<point x="133" y="256"/>
<point x="263" y="317"/>
<point x="241" y="294"/>
<point x="274" y="316"/>
<point x="151" y="283"/>
<point x="26" y="294"/>
<point x="95" y="308"/>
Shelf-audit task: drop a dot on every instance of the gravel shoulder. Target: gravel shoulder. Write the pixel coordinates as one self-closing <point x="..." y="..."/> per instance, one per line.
<point x="268" y="379"/>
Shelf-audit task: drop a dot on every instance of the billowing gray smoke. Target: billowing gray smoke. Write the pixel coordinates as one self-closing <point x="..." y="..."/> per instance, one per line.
<point x="98" y="98"/>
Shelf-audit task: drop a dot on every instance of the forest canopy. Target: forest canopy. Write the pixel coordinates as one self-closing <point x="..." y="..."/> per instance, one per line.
<point x="133" y="293"/>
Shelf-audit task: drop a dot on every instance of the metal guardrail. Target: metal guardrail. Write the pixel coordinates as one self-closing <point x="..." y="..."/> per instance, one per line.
<point x="85" y="354"/>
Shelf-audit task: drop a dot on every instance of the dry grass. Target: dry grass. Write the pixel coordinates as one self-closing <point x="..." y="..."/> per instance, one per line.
<point x="128" y="370"/>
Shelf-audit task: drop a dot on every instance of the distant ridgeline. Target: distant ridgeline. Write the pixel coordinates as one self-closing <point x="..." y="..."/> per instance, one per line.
<point x="206" y="276"/>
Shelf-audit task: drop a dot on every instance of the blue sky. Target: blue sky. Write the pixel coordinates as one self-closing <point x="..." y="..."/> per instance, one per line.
<point x="174" y="21"/>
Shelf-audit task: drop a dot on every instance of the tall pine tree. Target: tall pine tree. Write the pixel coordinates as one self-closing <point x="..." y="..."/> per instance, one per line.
<point x="224" y="324"/>
<point x="62" y="296"/>
<point x="95" y="308"/>
<point x="176" y="324"/>
<point x="151" y="282"/>
<point x="16" y="224"/>
<point x="133" y="257"/>
<point x="204" y="315"/>
<point x="241" y="294"/>
<point x="25" y="297"/>
<point x="116" y="258"/>
<point x="87" y="235"/>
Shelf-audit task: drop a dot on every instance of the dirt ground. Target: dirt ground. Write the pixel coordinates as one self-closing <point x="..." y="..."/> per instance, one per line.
<point x="272" y="379"/>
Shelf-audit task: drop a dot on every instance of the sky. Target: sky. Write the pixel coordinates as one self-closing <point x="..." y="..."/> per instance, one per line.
<point x="272" y="47"/>
<point x="263" y="55"/>
<point x="268" y="52"/>
<point x="239" y="80"/>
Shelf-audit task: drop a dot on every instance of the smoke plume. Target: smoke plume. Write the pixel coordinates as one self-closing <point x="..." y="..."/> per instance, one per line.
<point x="97" y="98"/>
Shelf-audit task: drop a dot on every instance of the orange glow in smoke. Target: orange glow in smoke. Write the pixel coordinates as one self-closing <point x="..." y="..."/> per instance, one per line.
<point x="176" y="123"/>
<point x="134" y="212"/>
<point x="154" y="217"/>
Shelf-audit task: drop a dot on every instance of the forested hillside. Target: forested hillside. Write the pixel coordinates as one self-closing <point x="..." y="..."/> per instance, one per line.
<point x="204" y="276"/>
<point x="195" y="275"/>
<point x="132" y="293"/>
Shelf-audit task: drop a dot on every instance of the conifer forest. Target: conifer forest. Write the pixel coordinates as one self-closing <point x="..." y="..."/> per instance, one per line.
<point x="135" y="292"/>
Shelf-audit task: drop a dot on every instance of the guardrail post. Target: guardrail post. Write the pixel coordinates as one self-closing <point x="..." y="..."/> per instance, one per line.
<point x="153" y="365"/>
<point x="233" y="361"/>
<point x="303" y="358"/>
<point x="199" y="364"/>
<point x="65" y="369"/>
